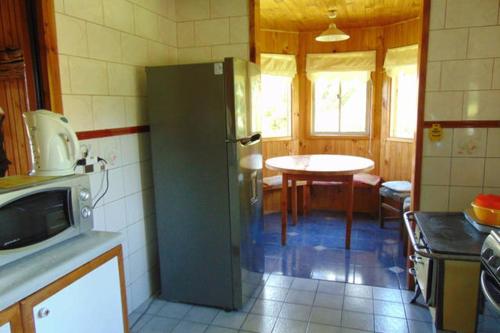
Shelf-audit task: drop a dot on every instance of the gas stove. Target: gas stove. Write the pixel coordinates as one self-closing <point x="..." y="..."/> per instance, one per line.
<point x="490" y="255"/>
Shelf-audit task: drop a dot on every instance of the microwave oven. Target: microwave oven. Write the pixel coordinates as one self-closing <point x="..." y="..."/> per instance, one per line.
<point x="41" y="215"/>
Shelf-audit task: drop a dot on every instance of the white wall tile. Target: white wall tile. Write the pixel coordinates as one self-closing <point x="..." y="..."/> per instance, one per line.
<point x="135" y="111"/>
<point x="194" y="54"/>
<point x="493" y="145"/>
<point x="482" y="105"/>
<point x="132" y="178"/>
<point x="467" y="171"/>
<point x="433" y="78"/>
<point x="64" y="74"/>
<point x="491" y="178"/>
<point x="123" y="80"/>
<point x="467" y="13"/>
<point x="192" y="10"/>
<point x="130" y="148"/>
<point x="157" y="54"/>
<point x="434" y="198"/>
<point x="146" y="23"/>
<point x="115" y="190"/>
<point x="447" y="44"/>
<point x="223" y="8"/>
<point x="59" y="6"/>
<point x="461" y="197"/>
<point x="138" y="262"/>
<point x="239" y="29"/>
<point x="114" y="213"/>
<point x="78" y="109"/>
<point x="109" y="112"/>
<point x="110" y="150"/>
<point x="440" y="148"/>
<point x="185" y="34"/>
<point x="90" y="10"/>
<point x="136" y="234"/>
<point x="220" y="52"/>
<point x="135" y="50"/>
<point x="466" y="74"/>
<point x="491" y="190"/>
<point x="135" y="207"/>
<point x="443" y="105"/>
<point x="496" y="74"/>
<point x="144" y="146"/>
<point x="438" y="14"/>
<point x="211" y="32"/>
<point x="168" y="31"/>
<point x="436" y="170"/>
<point x="71" y="35"/>
<point x="469" y="142"/>
<point x="99" y="219"/>
<point x="88" y="76"/>
<point x="481" y="42"/>
<point x="104" y="43"/>
<point x="119" y="14"/>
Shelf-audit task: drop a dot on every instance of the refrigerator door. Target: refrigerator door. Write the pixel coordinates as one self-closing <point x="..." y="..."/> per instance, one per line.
<point x="186" y="105"/>
<point x="245" y="177"/>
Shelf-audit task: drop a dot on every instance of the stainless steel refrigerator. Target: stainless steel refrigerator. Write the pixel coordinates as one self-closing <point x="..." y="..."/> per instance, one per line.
<point x="207" y="169"/>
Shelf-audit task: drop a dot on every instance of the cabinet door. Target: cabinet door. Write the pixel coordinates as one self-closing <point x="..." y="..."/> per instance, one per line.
<point x="10" y="320"/>
<point x="88" y="303"/>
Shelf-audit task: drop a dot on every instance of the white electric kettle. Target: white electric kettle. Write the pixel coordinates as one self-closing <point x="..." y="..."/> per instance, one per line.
<point x="54" y="145"/>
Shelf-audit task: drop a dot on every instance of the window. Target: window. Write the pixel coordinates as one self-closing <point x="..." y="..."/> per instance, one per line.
<point x="341" y="92"/>
<point x="276" y="106"/>
<point x="274" y="116"/>
<point x="341" y="104"/>
<point x="400" y="65"/>
<point x="404" y="89"/>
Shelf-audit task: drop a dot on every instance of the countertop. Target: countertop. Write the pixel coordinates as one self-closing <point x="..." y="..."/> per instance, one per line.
<point x="450" y="233"/>
<point x="27" y="275"/>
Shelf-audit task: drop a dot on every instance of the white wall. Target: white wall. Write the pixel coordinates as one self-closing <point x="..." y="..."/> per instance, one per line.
<point x="463" y="83"/>
<point x="104" y="46"/>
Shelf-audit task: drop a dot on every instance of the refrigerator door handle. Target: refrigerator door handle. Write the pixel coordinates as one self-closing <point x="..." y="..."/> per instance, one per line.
<point x="249" y="140"/>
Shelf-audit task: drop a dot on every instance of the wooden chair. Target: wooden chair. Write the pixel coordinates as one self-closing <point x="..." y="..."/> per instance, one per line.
<point x="273" y="183"/>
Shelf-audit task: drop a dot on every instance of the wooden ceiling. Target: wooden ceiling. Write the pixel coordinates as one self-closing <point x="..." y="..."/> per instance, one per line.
<point x="312" y="15"/>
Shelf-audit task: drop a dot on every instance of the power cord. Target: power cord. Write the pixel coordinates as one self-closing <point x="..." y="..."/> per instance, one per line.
<point x="102" y="160"/>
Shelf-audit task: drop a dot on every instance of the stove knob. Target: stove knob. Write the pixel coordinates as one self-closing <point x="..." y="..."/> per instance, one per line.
<point x="84" y="194"/>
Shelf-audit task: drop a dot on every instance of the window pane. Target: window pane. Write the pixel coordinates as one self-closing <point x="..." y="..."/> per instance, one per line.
<point x="276" y="106"/>
<point x="404" y="105"/>
<point x="326" y="105"/>
<point x="353" y="107"/>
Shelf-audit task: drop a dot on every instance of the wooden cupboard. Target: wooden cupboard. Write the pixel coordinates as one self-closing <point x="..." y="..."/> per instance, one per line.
<point x="89" y="299"/>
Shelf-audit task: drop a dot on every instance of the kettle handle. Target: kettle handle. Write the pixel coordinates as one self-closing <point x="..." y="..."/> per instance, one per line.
<point x="73" y="144"/>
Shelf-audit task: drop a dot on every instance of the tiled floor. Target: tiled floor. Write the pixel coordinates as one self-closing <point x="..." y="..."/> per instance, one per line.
<point x="294" y="305"/>
<point x="315" y="250"/>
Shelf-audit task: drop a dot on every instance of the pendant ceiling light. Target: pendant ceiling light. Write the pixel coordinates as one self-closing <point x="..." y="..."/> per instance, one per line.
<point x="332" y="34"/>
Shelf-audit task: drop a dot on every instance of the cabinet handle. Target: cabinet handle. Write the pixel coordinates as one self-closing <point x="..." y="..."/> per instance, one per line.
<point x="43" y="312"/>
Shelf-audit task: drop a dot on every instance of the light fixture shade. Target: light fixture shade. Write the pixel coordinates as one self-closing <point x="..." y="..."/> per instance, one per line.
<point x="332" y="34"/>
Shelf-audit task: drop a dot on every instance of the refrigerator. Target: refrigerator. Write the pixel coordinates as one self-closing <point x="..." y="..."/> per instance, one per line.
<point x="207" y="170"/>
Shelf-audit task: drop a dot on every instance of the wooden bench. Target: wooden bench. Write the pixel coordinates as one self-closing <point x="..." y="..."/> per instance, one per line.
<point x="273" y="184"/>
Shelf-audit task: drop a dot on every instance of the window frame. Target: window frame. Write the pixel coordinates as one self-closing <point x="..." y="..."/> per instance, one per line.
<point x="291" y="122"/>
<point x="393" y="91"/>
<point x="344" y="135"/>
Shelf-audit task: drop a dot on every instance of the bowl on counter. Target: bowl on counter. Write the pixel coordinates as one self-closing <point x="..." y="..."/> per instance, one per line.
<point x="486" y="215"/>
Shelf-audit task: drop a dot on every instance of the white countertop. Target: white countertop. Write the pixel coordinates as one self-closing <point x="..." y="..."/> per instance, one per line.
<point x="25" y="276"/>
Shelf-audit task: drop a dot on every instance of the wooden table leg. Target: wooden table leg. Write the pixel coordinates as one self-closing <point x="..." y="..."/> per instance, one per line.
<point x="284" y="207"/>
<point x="294" y="202"/>
<point x="350" y="203"/>
<point x="306" y="197"/>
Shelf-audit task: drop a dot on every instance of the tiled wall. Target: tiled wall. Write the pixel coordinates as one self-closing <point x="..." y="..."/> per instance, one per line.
<point x="463" y="83"/>
<point x="209" y="30"/>
<point x="104" y="46"/>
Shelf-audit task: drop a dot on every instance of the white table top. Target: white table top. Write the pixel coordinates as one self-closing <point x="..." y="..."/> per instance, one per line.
<point x="328" y="165"/>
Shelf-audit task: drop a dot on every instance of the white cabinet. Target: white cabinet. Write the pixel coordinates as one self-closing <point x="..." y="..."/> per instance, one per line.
<point x="90" y="304"/>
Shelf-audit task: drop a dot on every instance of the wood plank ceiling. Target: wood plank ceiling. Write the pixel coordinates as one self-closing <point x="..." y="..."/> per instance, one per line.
<point x="312" y="15"/>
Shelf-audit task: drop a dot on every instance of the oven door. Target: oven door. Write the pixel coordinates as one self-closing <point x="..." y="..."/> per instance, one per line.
<point x="488" y="318"/>
<point x="35" y="220"/>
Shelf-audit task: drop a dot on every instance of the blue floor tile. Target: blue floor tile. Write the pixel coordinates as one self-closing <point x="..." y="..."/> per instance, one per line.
<point x="315" y="249"/>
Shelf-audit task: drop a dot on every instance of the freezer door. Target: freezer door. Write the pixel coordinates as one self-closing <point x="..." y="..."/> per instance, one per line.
<point x="246" y="214"/>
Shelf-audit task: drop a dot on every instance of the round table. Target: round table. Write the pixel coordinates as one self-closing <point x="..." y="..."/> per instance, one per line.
<point x="334" y="168"/>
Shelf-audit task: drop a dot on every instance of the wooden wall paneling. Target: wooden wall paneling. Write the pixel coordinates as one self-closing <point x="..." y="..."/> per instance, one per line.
<point x="254" y="30"/>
